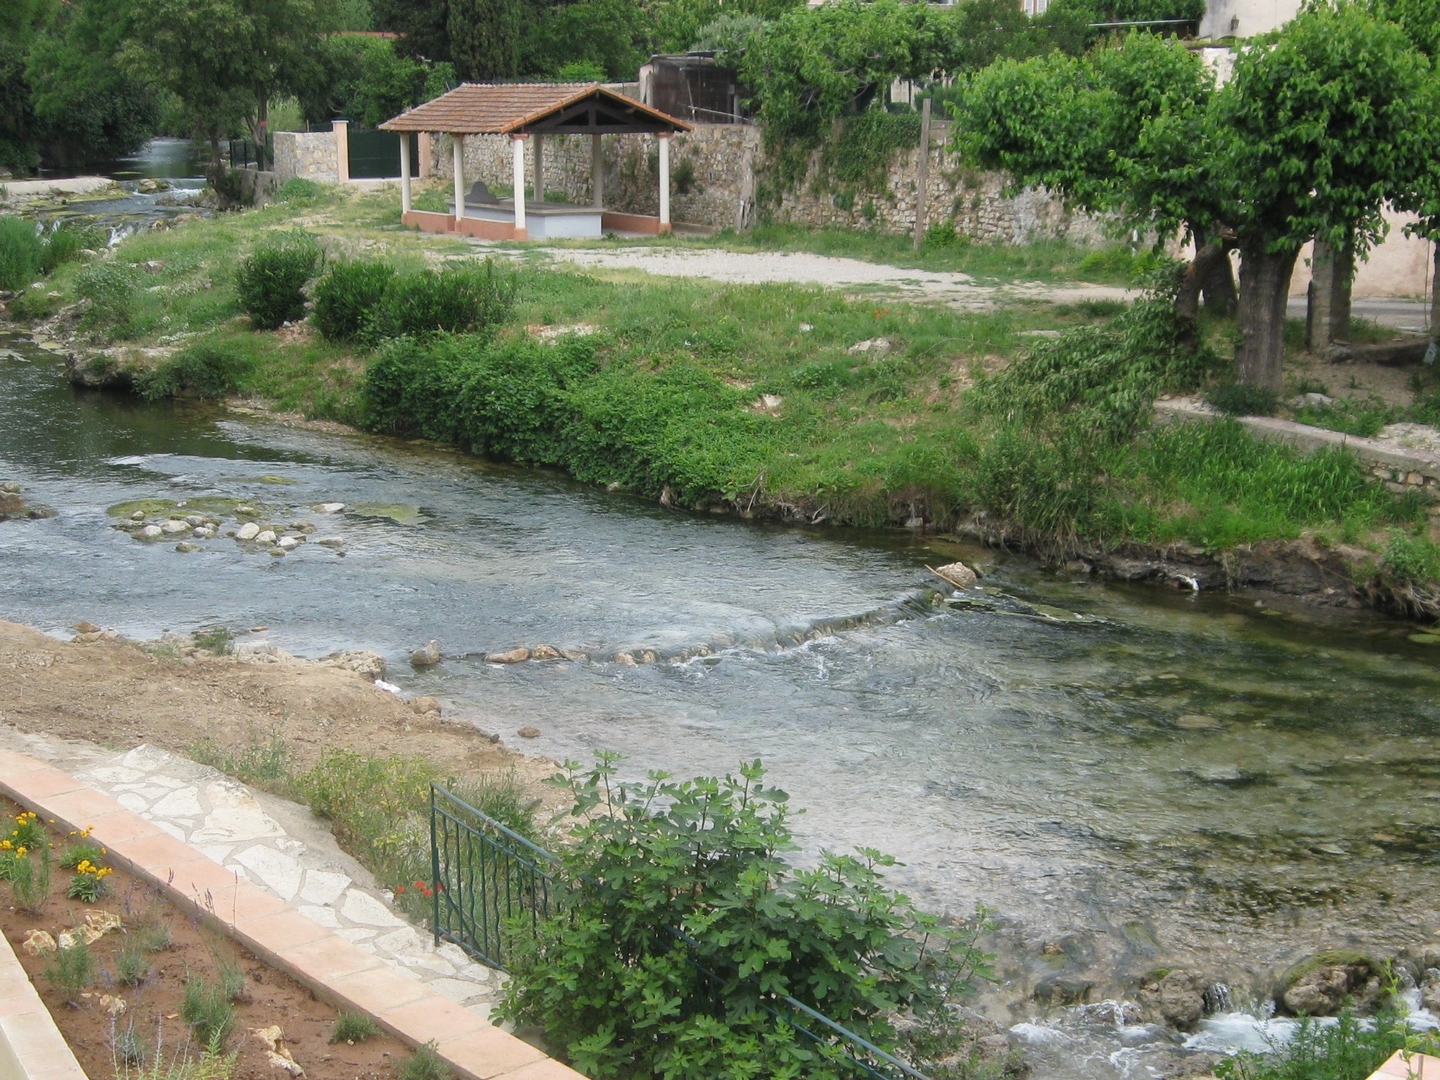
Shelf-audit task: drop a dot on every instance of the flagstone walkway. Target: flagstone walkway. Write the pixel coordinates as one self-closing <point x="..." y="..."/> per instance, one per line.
<point x="224" y="820"/>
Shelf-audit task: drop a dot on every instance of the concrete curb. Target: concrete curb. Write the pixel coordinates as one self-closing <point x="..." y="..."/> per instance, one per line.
<point x="335" y="970"/>
<point x="31" y="1046"/>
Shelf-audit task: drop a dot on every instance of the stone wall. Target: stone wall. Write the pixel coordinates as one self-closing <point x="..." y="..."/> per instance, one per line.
<point x="310" y="155"/>
<point x="714" y="172"/>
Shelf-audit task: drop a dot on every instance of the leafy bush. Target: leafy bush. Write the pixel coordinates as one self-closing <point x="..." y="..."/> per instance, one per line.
<point x="298" y="190"/>
<point x="271" y="282"/>
<point x="1101" y="380"/>
<point x="665" y="879"/>
<point x="21" y="252"/>
<point x="347" y="295"/>
<point x="453" y="300"/>
<point x="353" y="1027"/>
<point x="1412" y="558"/>
<point x="1237" y="399"/>
<point x="1353" y="416"/>
<point x="205" y="369"/>
<point x="425" y="1064"/>
<point x="112" y="293"/>
<point x="944" y="235"/>
<point x="206" y="1008"/>
<point x="66" y="240"/>
<point x="71" y="970"/>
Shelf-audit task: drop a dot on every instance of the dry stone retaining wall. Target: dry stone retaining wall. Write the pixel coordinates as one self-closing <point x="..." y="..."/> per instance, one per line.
<point x="310" y="155"/>
<point x="714" y="172"/>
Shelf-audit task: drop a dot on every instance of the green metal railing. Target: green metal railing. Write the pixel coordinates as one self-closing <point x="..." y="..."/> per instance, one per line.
<point x="490" y="882"/>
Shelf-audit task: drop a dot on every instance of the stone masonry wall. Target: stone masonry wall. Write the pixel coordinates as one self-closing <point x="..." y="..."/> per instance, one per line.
<point x="309" y="155"/>
<point x="714" y="177"/>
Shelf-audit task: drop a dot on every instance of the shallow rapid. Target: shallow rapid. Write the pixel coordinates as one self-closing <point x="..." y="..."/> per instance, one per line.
<point x="1133" y="777"/>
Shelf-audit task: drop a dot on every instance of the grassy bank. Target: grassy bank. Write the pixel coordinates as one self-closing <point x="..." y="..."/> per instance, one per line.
<point x="778" y="400"/>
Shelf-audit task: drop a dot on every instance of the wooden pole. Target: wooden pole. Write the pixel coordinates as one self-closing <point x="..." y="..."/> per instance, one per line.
<point x="922" y="175"/>
<point x="539" y="167"/>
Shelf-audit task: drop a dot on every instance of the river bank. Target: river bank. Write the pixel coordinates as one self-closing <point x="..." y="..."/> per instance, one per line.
<point x="788" y="404"/>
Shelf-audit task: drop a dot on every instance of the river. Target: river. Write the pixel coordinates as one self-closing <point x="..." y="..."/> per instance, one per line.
<point x="1136" y="777"/>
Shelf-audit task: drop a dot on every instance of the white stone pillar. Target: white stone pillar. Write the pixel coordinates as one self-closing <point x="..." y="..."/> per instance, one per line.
<point x="664" y="138"/>
<point x="457" y="146"/>
<point x="404" y="172"/>
<point x="597" y="172"/>
<point x="539" y="167"/>
<point x="341" y="128"/>
<point x="517" y="142"/>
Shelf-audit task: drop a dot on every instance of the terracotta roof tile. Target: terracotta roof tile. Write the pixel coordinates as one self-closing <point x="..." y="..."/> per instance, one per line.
<point x="504" y="108"/>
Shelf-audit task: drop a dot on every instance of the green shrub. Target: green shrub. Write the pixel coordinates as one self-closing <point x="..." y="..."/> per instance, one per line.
<point x="1412" y="558"/>
<point x="353" y="1027"/>
<point x="71" y="970"/>
<point x="271" y="282"/>
<point x="663" y="876"/>
<point x="131" y="964"/>
<point x="1101" y="380"/>
<point x="205" y="369"/>
<point x="298" y="190"/>
<point x="944" y="235"/>
<point x="66" y="240"/>
<point x="453" y="300"/>
<point x="1353" y="416"/>
<point x="347" y="295"/>
<point x="425" y="1064"/>
<point x="77" y="853"/>
<point x="1237" y="399"/>
<point x="206" y="1008"/>
<point x="112" y="292"/>
<point x="21" y="252"/>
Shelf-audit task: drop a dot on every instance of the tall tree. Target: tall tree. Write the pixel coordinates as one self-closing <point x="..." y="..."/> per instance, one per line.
<point x="1314" y="131"/>
<point x="423" y="26"/>
<point x="229" y="58"/>
<point x="485" y="38"/>
<point x="1312" y="134"/>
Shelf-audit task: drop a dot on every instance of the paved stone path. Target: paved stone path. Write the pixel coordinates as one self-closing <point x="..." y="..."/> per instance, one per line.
<point x="228" y="823"/>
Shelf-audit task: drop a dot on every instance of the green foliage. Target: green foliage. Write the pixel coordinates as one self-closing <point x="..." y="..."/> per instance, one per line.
<point x="485" y="38"/>
<point x="262" y="762"/>
<point x="206" y="369"/>
<point x="29" y="876"/>
<point x="270" y="283"/>
<point x="366" y="80"/>
<point x="1412" y="558"/>
<point x="379" y="809"/>
<point x="353" y="1027"/>
<point x="66" y="241"/>
<point x="1353" y="416"/>
<point x="22" y="253"/>
<point x="425" y="1064"/>
<point x="1237" y="399"/>
<point x="453" y="300"/>
<point x="216" y="640"/>
<point x="87" y="886"/>
<point x="71" y="970"/>
<point x="346" y="296"/>
<point x="1100" y="381"/>
<point x="206" y="1008"/>
<point x="112" y="292"/>
<point x="859" y="156"/>
<point x="1350" y="1049"/>
<point x="131" y="964"/>
<point x="74" y="854"/>
<point x="298" y="190"/>
<point x="663" y="876"/>
<point x="586" y="41"/>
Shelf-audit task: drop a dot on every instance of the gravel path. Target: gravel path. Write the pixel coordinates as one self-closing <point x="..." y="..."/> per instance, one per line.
<point x="853" y="275"/>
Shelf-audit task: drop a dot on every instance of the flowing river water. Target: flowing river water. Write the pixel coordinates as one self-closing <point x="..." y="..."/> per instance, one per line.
<point x="1129" y="778"/>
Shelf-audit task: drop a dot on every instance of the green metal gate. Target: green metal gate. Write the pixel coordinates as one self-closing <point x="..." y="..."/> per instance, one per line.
<point x="375" y="155"/>
<point x="490" y="882"/>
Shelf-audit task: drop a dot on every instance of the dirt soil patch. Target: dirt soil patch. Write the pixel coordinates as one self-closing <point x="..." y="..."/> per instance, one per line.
<point x="176" y="946"/>
<point x="121" y="695"/>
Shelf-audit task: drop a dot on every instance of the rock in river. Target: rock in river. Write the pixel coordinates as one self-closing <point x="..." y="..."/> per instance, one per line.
<point x="957" y="574"/>
<point x="248" y="531"/>
<point x="265" y="536"/>
<point x="510" y="656"/>
<point x="151" y="532"/>
<point x="175" y="525"/>
<point x="1177" y="999"/>
<point x="428" y="655"/>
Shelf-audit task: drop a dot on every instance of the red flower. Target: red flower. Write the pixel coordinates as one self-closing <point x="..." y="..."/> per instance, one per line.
<point x="399" y="889"/>
<point x="420" y="885"/>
